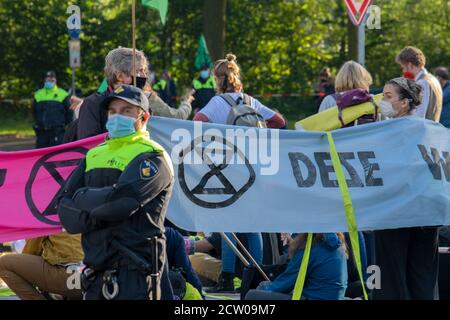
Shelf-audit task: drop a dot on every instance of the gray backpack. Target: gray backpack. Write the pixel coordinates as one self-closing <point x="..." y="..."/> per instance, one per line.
<point x="242" y="113"/>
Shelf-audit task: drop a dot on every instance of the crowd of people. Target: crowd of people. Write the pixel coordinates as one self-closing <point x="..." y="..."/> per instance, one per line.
<point x="113" y="212"/>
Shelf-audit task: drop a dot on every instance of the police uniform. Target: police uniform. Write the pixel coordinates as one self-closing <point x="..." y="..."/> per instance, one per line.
<point x="161" y="87"/>
<point x="51" y="111"/>
<point x="204" y="91"/>
<point x="117" y="199"/>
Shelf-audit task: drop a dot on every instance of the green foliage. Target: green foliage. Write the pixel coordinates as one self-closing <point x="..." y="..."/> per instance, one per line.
<point x="280" y="45"/>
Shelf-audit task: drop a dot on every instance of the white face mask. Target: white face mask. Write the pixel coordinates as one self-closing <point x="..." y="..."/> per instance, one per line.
<point x="387" y="109"/>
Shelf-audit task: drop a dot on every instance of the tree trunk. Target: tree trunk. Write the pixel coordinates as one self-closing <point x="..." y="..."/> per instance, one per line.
<point x="214" y="16"/>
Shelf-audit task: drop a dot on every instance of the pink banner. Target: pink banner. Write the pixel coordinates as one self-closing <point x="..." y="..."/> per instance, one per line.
<point x="29" y="182"/>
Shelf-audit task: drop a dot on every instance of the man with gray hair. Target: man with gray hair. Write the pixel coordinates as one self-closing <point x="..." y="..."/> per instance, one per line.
<point x="118" y="71"/>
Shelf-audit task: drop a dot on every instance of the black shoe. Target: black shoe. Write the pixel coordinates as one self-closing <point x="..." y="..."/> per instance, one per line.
<point x="225" y="284"/>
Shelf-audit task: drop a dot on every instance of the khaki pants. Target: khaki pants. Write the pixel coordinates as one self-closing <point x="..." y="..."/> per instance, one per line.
<point x="207" y="267"/>
<point x="24" y="273"/>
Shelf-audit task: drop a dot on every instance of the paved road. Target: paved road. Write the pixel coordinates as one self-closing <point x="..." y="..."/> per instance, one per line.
<point x="14" y="143"/>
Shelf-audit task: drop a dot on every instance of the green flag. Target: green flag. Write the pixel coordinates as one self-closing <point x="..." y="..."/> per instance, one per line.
<point x="202" y="57"/>
<point x="160" y="5"/>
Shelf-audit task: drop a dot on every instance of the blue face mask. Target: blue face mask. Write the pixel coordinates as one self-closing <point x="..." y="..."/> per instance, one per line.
<point x="120" y="126"/>
<point x="49" y="85"/>
<point x="204" y="74"/>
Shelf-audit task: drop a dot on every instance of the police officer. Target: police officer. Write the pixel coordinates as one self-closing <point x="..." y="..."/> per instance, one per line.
<point x="204" y="87"/>
<point x="117" y="199"/>
<point x="160" y="86"/>
<point x="51" y="112"/>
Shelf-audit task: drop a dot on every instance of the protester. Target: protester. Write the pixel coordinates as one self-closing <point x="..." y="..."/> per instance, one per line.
<point x="204" y="87"/>
<point x="325" y="87"/>
<point x="326" y="273"/>
<point x="443" y="77"/>
<point x="177" y="258"/>
<point x="51" y="113"/>
<point x="118" y="70"/>
<point x="227" y="79"/>
<point x="205" y="255"/>
<point x="412" y="60"/>
<point x="407" y="257"/>
<point x="117" y="198"/>
<point x="351" y="76"/>
<point x="42" y="268"/>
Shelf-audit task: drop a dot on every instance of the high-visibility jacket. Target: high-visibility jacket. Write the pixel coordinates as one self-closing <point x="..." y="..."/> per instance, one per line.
<point x="204" y="91"/>
<point x="51" y="108"/>
<point x="120" y="191"/>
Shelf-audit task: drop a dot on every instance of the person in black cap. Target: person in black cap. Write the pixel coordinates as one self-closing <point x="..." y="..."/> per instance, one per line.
<point x="117" y="199"/>
<point x="204" y="87"/>
<point x="51" y="113"/>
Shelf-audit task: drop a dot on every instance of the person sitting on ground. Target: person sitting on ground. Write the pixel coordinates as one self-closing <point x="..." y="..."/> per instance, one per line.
<point x="42" y="267"/>
<point x="177" y="258"/>
<point x="326" y="275"/>
<point x="205" y="254"/>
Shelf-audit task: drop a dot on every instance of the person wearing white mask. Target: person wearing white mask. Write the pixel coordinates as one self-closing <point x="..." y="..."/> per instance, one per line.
<point x="407" y="257"/>
<point x="400" y="98"/>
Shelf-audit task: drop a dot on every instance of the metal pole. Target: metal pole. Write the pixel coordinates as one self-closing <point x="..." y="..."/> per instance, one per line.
<point x="261" y="271"/>
<point x="73" y="81"/>
<point x="233" y="247"/>
<point x="240" y="255"/>
<point x="362" y="42"/>
<point x="133" y="22"/>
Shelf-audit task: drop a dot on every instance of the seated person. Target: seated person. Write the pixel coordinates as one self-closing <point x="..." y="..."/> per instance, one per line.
<point x="42" y="267"/>
<point x="205" y="255"/>
<point x="326" y="276"/>
<point x="178" y="259"/>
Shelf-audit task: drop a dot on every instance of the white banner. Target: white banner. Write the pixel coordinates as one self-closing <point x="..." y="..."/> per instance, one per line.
<point x="262" y="180"/>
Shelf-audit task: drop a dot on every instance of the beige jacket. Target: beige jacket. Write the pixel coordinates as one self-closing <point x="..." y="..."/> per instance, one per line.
<point x="160" y="108"/>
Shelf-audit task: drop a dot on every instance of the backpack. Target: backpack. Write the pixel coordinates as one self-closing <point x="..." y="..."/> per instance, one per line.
<point x="351" y="98"/>
<point x="242" y="113"/>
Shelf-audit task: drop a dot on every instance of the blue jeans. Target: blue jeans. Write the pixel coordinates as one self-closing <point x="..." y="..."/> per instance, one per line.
<point x="254" y="241"/>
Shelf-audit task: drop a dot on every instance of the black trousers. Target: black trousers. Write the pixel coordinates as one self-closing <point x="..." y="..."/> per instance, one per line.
<point x="49" y="138"/>
<point x="132" y="285"/>
<point x="409" y="263"/>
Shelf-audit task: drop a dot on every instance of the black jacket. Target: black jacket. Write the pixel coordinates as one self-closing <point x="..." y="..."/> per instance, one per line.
<point x="120" y="205"/>
<point x="92" y="118"/>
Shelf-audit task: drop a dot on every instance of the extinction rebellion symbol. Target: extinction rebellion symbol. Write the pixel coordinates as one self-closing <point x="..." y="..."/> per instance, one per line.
<point x="209" y="184"/>
<point x="50" y="172"/>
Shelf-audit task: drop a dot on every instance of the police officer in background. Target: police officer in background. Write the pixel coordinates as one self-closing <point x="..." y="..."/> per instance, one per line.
<point x="117" y="199"/>
<point x="204" y="87"/>
<point x="51" y="113"/>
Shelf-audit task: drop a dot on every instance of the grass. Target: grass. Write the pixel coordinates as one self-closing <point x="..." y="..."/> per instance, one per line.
<point x="16" y="126"/>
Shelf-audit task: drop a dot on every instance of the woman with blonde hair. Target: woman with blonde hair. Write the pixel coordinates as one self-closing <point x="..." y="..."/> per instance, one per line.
<point x="229" y="86"/>
<point x="351" y="76"/>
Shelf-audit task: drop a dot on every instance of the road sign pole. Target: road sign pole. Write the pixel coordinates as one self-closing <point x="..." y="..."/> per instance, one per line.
<point x="362" y="43"/>
<point x="73" y="81"/>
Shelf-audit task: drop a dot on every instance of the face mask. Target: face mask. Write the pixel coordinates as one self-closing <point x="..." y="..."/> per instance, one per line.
<point x="151" y="77"/>
<point x="408" y="75"/>
<point x="204" y="74"/>
<point x="387" y="109"/>
<point x="49" y="85"/>
<point x="140" y="82"/>
<point x="120" y="126"/>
